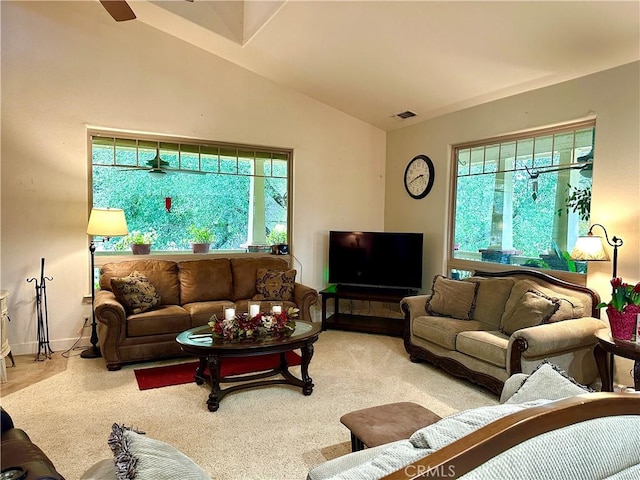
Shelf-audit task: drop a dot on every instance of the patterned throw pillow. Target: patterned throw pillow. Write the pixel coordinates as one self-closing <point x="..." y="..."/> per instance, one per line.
<point x="274" y="285"/>
<point x="135" y="292"/>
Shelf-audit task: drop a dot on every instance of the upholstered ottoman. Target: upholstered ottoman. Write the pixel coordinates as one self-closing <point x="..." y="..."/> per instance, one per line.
<point x="375" y="426"/>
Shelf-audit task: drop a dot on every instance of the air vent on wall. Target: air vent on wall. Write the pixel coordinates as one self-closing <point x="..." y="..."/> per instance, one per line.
<point x="406" y="114"/>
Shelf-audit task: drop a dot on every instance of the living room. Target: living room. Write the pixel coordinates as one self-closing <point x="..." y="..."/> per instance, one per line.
<point x="68" y="66"/>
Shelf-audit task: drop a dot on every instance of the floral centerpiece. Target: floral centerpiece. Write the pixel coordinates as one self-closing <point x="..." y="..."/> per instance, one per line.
<point x="623" y="309"/>
<point x="262" y="325"/>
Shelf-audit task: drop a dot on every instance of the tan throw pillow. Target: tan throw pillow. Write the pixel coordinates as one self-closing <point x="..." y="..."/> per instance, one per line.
<point x="274" y="285"/>
<point x="452" y="298"/>
<point x="491" y="299"/>
<point x="534" y="308"/>
<point x="135" y="292"/>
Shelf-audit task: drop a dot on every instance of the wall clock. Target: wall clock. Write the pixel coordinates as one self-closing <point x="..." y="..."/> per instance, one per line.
<point x="419" y="176"/>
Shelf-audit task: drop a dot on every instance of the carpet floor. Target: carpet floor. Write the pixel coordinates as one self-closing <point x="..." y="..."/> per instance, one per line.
<point x="272" y="432"/>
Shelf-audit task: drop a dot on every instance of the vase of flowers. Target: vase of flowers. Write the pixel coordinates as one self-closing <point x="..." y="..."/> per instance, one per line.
<point x="623" y="309"/>
<point x="243" y="326"/>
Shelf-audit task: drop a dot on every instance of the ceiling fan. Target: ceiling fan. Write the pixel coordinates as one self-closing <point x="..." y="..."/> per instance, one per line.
<point x="120" y="9"/>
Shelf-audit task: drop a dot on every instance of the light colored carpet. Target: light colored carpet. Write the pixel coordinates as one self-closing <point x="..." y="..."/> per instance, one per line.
<point x="265" y="433"/>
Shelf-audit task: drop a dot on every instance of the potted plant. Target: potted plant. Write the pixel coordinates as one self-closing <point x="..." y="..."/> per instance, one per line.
<point x="623" y="309"/>
<point x="140" y="242"/>
<point x="200" y="238"/>
<point x="277" y="238"/>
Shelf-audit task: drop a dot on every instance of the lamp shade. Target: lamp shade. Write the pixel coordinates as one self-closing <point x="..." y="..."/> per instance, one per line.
<point x="589" y="248"/>
<point x="107" y="222"/>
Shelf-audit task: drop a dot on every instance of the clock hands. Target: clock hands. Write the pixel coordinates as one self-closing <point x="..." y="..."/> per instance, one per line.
<point x="416" y="178"/>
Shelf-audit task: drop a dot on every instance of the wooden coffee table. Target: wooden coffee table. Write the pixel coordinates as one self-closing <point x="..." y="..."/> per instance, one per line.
<point x="603" y="353"/>
<point x="199" y="343"/>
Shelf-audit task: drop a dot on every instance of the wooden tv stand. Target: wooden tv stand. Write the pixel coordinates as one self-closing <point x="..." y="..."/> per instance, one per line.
<point x="362" y="323"/>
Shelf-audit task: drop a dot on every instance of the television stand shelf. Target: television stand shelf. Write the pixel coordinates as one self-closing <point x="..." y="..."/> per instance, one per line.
<point x="362" y="323"/>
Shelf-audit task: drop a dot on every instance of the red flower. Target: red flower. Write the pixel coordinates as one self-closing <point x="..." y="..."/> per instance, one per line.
<point x="616" y="282"/>
<point x="636" y="289"/>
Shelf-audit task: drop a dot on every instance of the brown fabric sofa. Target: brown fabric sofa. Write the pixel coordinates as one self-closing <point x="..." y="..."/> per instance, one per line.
<point x="190" y="293"/>
<point x="507" y="329"/>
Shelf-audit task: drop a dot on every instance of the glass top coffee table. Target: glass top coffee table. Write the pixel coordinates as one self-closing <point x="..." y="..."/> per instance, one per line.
<point x="211" y="351"/>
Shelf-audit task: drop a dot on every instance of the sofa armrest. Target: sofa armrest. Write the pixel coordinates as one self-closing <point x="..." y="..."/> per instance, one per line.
<point x="550" y="339"/>
<point x="108" y="309"/>
<point x="304" y="297"/>
<point x="414" y="306"/>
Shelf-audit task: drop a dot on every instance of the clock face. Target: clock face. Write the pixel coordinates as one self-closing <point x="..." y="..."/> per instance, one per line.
<point x="419" y="176"/>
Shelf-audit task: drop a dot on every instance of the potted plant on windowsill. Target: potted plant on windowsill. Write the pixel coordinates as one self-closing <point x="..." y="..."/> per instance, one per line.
<point x="140" y="242"/>
<point x="277" y="238"/>
<point x="200" y="239"/>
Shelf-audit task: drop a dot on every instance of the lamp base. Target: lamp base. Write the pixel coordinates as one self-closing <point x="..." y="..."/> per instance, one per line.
<point x="91" y="352"/>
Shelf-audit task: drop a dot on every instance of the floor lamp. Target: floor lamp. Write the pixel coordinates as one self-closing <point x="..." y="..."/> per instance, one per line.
<point x="105" y="223"/>
<point x="591" y="248"/>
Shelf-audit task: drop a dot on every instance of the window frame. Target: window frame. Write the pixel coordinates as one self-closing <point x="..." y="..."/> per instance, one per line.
<point x="176" y="255"/>
<point x="457" y="264"/>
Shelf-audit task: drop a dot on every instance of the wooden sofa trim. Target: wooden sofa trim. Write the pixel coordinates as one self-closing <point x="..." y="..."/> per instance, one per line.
<point x="471" y="451"/>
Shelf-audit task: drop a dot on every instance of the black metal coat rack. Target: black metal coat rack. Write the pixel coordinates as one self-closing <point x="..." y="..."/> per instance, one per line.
<point x="44" y="349"/>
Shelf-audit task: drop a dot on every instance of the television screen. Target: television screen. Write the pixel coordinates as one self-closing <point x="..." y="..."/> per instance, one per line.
<point x="381" y="259"/>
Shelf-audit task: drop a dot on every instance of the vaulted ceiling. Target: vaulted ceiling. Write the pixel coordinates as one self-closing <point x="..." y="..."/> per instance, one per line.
<point x="375" y="59"/>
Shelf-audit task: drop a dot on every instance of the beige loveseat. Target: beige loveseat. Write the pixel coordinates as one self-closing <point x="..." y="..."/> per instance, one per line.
<point x="492" y="325"/>
<point x="189" y="292"/>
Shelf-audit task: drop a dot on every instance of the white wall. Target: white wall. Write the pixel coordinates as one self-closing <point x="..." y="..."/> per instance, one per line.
<point x="67" y="65"/>
<point x="613" y="96"/>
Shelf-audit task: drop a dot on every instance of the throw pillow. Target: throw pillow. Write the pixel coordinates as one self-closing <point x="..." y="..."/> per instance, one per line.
<point x="135" y="292"/>
<point x="547" y="382"/>
<point x="533" y="308"/>
<point x="452" y="298"/>
<point x="275" y="285"/>
<point x="138" y="457"/>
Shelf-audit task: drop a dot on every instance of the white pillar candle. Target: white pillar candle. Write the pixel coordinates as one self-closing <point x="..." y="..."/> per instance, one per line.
<point x="277" y="309"/>
<point x="254" y="309"/>
<point x="229" y="313"/>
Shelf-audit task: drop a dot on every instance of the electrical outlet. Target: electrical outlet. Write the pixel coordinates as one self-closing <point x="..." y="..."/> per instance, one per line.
<point x="85" y="324"/>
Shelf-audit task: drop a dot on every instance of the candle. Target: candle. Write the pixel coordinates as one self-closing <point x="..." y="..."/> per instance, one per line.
<point x="277" y="309"/>
<point x="254" y="309"/>
<point x="229" y="313"/>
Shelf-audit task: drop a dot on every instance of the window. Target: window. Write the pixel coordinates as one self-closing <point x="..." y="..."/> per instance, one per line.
<point x="168" y="185"/>
<point x="523" y="199"/>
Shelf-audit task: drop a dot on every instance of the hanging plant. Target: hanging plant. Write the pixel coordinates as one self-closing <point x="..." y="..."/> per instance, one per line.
<point x="578" y="201"/>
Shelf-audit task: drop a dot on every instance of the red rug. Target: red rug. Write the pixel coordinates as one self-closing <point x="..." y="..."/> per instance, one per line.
<point x="157" y="377"/>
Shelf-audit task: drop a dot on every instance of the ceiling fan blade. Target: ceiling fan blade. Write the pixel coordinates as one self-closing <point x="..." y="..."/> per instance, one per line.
<point x="118" y="9"/>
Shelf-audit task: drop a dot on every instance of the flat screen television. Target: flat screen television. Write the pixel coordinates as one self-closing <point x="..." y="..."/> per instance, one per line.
<point x="375" y="259"/>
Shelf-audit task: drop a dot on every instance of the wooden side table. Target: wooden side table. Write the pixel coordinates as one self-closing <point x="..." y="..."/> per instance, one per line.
<point x="604" y="351"/>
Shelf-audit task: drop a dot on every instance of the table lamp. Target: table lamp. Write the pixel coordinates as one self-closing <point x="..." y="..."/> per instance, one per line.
<point x="106" y="223"/>
<point x="591" y="248"/>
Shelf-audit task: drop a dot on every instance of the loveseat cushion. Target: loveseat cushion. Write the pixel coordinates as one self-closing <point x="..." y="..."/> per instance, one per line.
<point x="488" y="346"/>
<point x="245" y="273"/>
<point x="205" y="280"/>
<point x="163" y="274"/>
<point x="451" y="298"/>
<point x="527" y="308"/>
<point x="201" y="312"/>
<point x="491" y="298"/>
<point x="165" y="319"/>
<point x="442" y="330"/>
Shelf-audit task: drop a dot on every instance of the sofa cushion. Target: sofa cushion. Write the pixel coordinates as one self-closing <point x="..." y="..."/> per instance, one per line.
<point x="201" y="312"/>
<point x="135" y="292"/>
<point x="274" y="285"/>
<point x="138" y="457"/>
<point x="245" y="272"/>
<point x="164" y="319"/>
<point x="205" y="280"/>
<point x="491" y="298"/>
<point x="452" y="298"/>
<point x="163" y="274"/>
<point x="442" y="330"/>
<point x="527" y="308"/>
<point x="547" y="381"/>
<point x="488" y="346"/>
